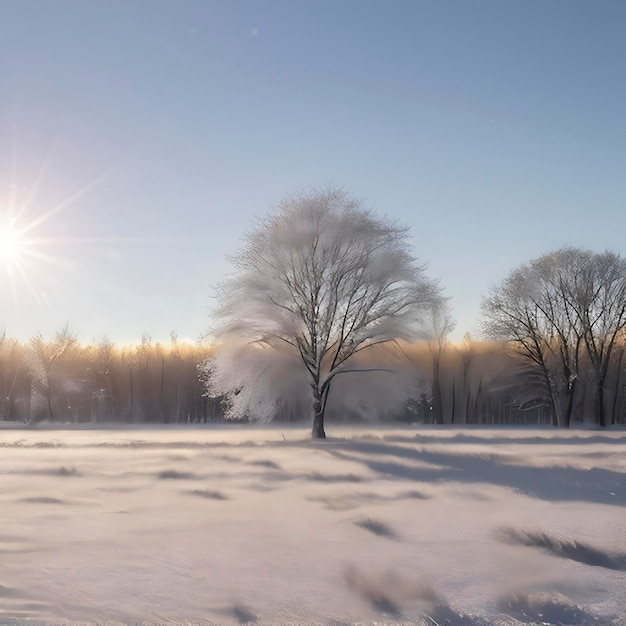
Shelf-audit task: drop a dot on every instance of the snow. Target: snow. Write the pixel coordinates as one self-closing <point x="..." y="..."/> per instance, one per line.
<point x="374" y="525"/>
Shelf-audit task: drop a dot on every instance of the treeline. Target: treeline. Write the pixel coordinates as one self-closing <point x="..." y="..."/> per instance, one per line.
<point x="564" y="314"/>
<point x="488" y="383"/>
<point x="62" y="380"/>
<point x="475" y="382"/>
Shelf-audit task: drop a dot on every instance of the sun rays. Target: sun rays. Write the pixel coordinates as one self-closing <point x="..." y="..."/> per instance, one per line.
<point x="70" y="237"/>
<point x="11" y="243"/>
<point x="33" y="250"/>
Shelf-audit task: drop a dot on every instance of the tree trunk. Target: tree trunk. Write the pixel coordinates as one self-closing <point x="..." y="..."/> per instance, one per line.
<point x="319" y="409"/>
<point x="618" y="382"/>
<point x="453" y="400"/>
<point x="318" y="426"/>
<point x="555" y="412"/>
<point x="130" y="417"/>
<point x="436" y="393"/>
<point x="599" y="402"/>
<point x="570" y="403"/>
<point x="49" y="401"/>
<point x="477" y="399"/>
<point x="164" y="417"/>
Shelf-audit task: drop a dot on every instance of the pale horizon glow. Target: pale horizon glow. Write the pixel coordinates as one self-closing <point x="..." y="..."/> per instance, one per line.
<point x="138" y="143"/>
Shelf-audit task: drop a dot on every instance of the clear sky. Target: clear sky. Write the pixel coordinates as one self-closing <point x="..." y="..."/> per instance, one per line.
<point x="138" y="140"/>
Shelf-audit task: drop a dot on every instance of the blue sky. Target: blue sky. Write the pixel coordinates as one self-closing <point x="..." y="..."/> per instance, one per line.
<point x="138" y="141"/>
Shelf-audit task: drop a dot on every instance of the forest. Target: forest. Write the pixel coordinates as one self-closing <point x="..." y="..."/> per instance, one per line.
<point x="60" y="379"/>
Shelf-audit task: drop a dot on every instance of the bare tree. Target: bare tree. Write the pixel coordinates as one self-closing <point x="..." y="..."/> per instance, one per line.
<point x="319" y="280"/>
<point x="440" y="325"/>
<point x="11" y="365"/>
<point x="467" y="351"/>
<point x="563" y="310"/>
<point x="45" y="364"/>
<point x="598" y="296"/>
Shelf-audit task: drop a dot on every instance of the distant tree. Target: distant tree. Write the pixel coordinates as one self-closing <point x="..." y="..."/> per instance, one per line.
<point x="129" y="365"/>
<point x="45" y="364"/>
<point x="598" y="296"/>
<point x="319" y="280"/>
<point x="467" y="352"/>
<point x="564" y="312"/>
<point x="438" y="324"/>
<point x="439" y="327"/>
<point x="102" y="365"/>
<point x="149" y="380"/>
<point x="617" y="385"/>
<point x="11" y="366"/>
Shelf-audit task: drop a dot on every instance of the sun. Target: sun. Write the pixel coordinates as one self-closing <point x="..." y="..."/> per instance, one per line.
<point x="12" y="243"/>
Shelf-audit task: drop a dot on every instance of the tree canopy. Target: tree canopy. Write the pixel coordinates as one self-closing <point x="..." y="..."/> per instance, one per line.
<point x="319" y="280"/>
<point x="564" y="312"/>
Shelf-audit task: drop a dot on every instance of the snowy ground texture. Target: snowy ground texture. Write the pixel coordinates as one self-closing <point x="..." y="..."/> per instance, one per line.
<point x="380" y="525"/>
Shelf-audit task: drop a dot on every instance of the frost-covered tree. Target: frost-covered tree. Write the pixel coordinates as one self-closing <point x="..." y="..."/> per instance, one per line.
<point x="318" y="281"/>
<point x="565" y="312"/>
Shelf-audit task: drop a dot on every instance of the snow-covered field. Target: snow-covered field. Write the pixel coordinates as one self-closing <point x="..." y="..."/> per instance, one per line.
<point x="385" y="525"/>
